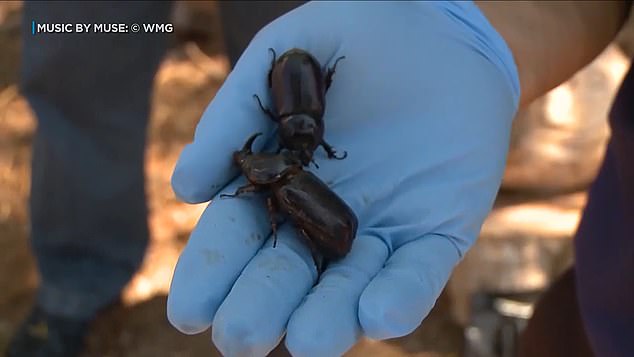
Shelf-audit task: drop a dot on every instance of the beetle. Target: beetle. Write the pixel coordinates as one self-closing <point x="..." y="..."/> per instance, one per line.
<point x="298" y="87"/>
<point x="326" y="222"/>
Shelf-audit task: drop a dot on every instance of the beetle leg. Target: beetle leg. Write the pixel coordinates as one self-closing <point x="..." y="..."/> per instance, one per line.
<point x="264" y="109"/>
<point x="332" y="154"/>
<point x="317" y="259"/>
<point x="314" y="163"/>
<point x="331" y="71"/>
<point x="271" y="207"/>
<point x="241" y="190"/>
<point x="324" y="264"/>
<point x="272" y="65"/>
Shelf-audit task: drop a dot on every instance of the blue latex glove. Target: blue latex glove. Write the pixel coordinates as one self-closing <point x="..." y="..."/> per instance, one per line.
<point x="423" y="104"/>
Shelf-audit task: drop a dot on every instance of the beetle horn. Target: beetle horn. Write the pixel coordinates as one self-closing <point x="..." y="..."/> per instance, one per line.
<point x="247" y="146"/>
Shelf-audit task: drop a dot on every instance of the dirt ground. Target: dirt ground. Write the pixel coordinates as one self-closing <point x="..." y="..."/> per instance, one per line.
<point x="190" y="75"/>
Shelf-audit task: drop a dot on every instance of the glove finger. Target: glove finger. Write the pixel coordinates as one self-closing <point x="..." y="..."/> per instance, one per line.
<point x="327" y="323"/>
<point x="205" y="165"/>
<point x="227" y="236"/>
<point x="402" y="294"/>
<point x="252" y="319"/>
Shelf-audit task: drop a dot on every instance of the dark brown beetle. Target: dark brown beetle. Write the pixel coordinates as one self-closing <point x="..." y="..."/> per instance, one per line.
<point x="323" y="218"/>
<point x="298" y="87"/>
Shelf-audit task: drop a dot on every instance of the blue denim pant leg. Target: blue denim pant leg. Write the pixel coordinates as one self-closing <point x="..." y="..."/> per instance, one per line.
<point x="241" y="20"/>
<point x="91" y="95"/>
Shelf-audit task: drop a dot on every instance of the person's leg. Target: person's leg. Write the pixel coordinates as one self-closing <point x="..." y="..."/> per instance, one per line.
<point x="592" y="311"/>
<point x="91" y="95"/>
<point x="556" y="328"/>
<point x="604" y="244"/>
<point x="241" y="20"/>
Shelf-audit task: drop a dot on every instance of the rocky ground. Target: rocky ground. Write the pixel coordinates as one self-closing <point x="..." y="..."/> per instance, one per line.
<point x="525" y="241"/>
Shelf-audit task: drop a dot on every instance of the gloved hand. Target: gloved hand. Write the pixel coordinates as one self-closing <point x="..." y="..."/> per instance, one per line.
<point x="423" y="104"/>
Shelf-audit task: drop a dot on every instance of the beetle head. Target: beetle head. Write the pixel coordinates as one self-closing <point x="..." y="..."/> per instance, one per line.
<point x="301" y="133"/>
<point x="239" y="157"/>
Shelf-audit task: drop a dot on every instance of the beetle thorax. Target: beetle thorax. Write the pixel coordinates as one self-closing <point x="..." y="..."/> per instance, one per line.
<point x="267" y="168"/>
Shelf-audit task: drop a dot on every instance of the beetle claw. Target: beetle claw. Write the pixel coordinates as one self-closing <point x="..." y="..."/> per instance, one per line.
<point x="345" y="154"/>
<point x="332" y="154"/>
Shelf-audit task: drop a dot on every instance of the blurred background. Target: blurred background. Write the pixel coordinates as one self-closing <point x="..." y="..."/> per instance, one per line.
<point x="557" y="146"/>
